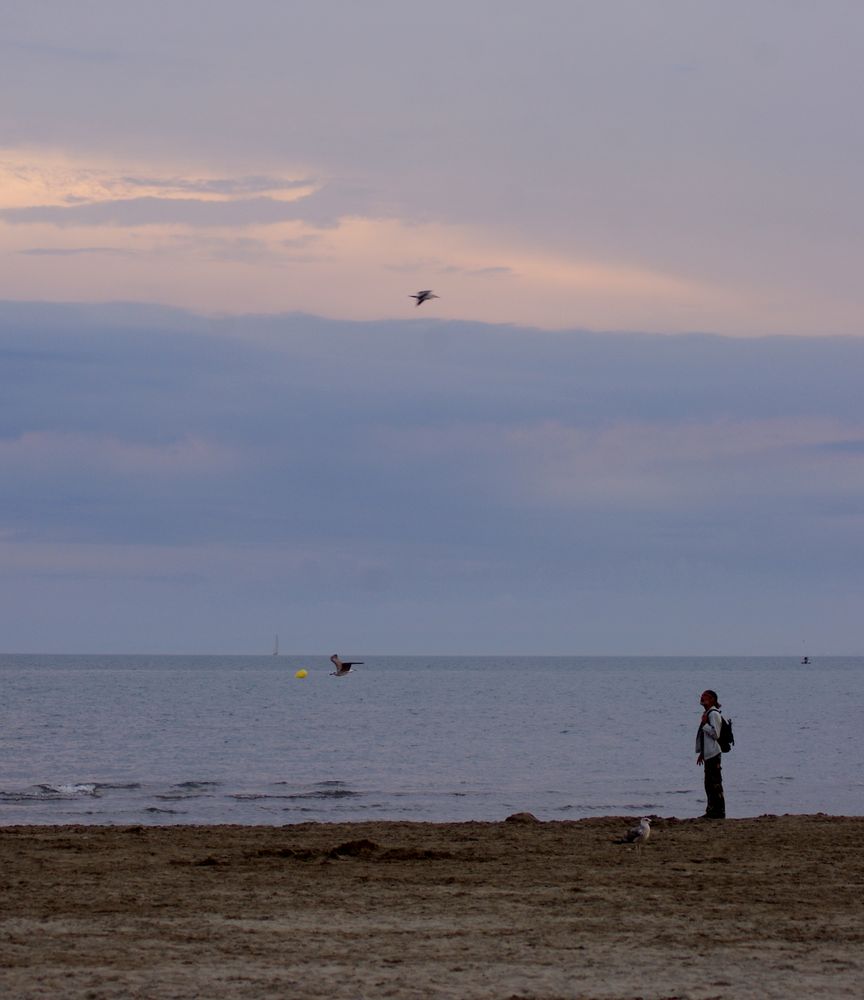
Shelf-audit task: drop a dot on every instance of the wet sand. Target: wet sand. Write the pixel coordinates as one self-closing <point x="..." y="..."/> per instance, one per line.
<point x="764" y="907"/>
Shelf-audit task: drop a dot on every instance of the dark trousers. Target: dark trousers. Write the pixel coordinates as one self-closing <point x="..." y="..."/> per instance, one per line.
<point x="716" y="807"/>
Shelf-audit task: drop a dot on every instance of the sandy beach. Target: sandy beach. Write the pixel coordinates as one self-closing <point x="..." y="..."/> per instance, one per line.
<point x="763" y="907"/>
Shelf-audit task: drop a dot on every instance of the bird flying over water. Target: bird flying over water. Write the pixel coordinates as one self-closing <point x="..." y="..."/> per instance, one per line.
<point x="342" y="666"/>
<point x="424" y="296"/>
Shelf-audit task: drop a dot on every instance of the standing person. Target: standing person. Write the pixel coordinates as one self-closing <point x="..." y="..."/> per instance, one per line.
<point x="709" y="756"/>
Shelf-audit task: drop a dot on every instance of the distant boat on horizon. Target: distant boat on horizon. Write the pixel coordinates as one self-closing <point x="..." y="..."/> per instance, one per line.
<point x="276" y="645"/>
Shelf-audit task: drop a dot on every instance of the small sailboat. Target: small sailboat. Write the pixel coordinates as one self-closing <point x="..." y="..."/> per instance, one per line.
<point x="276" y="645"/>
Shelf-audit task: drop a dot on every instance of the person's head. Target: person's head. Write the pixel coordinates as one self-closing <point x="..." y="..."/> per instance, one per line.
<point x="709" y="700"/>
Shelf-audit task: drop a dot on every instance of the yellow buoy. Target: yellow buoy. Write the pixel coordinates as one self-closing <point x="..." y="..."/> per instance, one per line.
<point x="301" y="673"/>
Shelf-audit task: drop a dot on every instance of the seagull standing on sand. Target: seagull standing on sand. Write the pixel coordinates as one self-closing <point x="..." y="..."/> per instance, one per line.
<point x="424" y="296"/>
<point x="342" y="666"/>
<point x="638" y="835"/>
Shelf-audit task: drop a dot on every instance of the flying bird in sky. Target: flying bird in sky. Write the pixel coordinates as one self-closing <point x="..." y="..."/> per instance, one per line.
<point x="424" y="296"/>
<point x="342" y="666"/>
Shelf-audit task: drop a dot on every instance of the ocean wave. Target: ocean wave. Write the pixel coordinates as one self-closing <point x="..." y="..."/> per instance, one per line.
<point x="317" y="793"/>
<point x="257" y="796"/>
<point x="325" y="793"/>
<point x="182" y="796"/>
<point x="51" y="793"/>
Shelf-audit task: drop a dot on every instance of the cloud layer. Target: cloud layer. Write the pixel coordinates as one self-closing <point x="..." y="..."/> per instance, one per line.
<point x="558" y="170"/>
<point x="424" y="485"/>
<point x="276" y="438"/>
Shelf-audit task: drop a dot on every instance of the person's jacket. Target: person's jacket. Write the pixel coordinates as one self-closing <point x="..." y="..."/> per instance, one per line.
<point x="709" y="733"/>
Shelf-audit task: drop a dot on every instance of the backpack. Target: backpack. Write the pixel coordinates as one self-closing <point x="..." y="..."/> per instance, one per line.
<point x="726" y="740"/>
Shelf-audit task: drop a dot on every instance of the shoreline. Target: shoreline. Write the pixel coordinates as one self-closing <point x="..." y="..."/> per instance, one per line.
<point x="755" y="907"/>
<point x="522" y="818"/>
<point x="631" y="818"/>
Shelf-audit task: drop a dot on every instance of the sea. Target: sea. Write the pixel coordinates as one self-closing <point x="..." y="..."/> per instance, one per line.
<point x="164" y="740"/>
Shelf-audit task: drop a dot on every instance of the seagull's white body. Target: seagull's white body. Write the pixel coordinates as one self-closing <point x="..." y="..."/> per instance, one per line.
<point x="641" y="832"/>
<point x="639" y="835"/>
<point x="424" y="296"/>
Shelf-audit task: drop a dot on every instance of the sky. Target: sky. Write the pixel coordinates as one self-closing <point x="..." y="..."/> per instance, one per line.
<point x="630" y="423"/>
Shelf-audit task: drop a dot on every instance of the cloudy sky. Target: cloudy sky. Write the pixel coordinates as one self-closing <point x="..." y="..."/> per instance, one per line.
<point x="631" y="422"/>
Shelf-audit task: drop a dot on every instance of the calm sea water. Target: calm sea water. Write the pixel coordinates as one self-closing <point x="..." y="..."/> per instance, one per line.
<point x="227" y="739"/>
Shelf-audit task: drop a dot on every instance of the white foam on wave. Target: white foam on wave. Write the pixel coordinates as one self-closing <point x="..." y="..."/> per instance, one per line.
<point x="50" y="793"/>
<point x="79" y="788"/>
